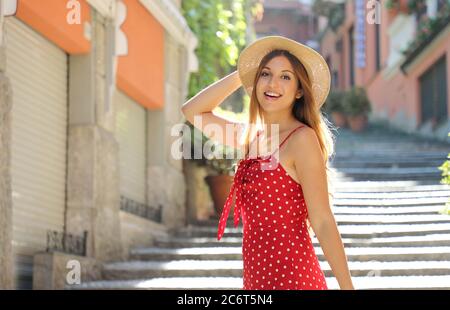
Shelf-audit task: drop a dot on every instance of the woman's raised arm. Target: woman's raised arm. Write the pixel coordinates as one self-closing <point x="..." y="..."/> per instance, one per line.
<point x="199" y="111"/>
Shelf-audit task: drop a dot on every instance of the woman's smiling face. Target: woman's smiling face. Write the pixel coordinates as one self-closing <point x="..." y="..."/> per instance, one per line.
<point x="277" y="86"/>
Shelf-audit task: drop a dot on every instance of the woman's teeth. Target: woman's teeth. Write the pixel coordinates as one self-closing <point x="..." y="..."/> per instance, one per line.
<point x="271" y="95"/>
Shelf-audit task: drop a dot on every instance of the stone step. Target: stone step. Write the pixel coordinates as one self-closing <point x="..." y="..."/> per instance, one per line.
<point x="397" y="282"/>
<point x="394" y="195"/>
<point x="420" y="178"/>
<point x="405" y="241"/>
<point x="391" y="219"/>
<point x="391" y="171"/>
<point x="393" y="154"/>
<point x="235" y="253"/>
<point x="346" y="231"/>
<point x="346" y="179"/>
<point x="430" y="210"/>
<point x="387" y="186"/>
<point x="390" y="202"/>
<point x="175" y="268"/>
<point x="386" y="163"/>
<point x="377" y="210"/>
<point x="235" y="283"/>
<point x="233" y="268"/>
<point x="357" y="219"/>
<point x="170" y="283"/>
<point x="388" y="159"/>
<point x="403" y="210"/>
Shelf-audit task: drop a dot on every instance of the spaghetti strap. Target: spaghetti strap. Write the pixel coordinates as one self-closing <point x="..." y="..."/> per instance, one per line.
<point x="285" y="139"/>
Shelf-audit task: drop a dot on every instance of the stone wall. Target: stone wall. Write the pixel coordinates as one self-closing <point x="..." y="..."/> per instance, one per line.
<point x="139" y="232"/>
<point x="51" y="270"/>
<point x="6" y="265"/>
<point x="173" y="186"/>
<point x="93" y="191"/>
<point x="6" y="280"/>
<point x="93" y="201"/>
<point x="199" y="203"/>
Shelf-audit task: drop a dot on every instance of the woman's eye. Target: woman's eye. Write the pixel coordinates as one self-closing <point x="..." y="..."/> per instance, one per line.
<point x="286" y="77"/>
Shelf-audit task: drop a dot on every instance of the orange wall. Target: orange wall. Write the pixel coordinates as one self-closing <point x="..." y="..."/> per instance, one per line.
<point x="402" y="91"/>
<point x="140" y="74"/>
<point x="49" y="17"/>
<point x="393" y="96"/>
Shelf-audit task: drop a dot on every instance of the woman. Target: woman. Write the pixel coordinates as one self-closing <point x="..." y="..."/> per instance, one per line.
<point x="279" y="199"/>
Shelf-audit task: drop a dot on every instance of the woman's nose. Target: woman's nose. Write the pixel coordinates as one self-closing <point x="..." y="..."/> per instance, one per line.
<point x="273" y="82"/>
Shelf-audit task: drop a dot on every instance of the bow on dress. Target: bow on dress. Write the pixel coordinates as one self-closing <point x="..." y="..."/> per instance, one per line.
<point x="237" y="185"/>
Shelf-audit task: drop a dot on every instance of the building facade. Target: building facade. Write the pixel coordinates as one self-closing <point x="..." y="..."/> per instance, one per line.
<point x="291" y="19"/>
<point x="401" y="62"/>
<point x="89" y="92"/>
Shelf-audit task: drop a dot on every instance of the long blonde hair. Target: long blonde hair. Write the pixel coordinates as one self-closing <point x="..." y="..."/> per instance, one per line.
<point x="304" y="110"/>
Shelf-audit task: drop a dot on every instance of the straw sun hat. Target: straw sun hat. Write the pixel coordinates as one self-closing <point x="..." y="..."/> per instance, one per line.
<point x="315" y="65"/>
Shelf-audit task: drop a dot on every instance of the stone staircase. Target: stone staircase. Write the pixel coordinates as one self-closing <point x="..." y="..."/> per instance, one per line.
<point x="386" y="204"/>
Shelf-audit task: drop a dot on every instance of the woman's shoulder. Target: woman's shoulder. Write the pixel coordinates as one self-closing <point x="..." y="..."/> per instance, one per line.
<point x="301" y="130"/>
<point x="302" y="139"/>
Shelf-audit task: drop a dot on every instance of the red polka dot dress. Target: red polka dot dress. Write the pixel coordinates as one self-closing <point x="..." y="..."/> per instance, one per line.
<point x="277" y="249"/>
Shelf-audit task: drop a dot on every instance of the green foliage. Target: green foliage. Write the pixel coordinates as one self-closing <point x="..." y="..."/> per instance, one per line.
<point x="390" y="4"/>
<point x="334" y="102"/>
<point x="335" y="12"/>
<point x="220" y="27"/>
<point x="428" y="28"/>
<point x="221" y="30"/>
<point x="356" y="102"/>
<point x="416" y="5"/>
<point x="413" y="5"/>
<point x="445" y="168"/>
<point x="221" y="166"/>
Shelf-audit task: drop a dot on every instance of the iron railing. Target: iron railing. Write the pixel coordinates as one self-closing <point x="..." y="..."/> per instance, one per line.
<point x="66" y="243"/>
<point x="140" y="209"/>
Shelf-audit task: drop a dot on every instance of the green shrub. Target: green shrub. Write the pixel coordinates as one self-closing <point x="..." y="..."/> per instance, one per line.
<point x="355" y="102"/>
<point x="334" y="102"/>
<point x="445" y="168"/>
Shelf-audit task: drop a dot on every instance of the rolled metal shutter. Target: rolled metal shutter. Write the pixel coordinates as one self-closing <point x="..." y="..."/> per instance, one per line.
<point x="131" y="135"/>
<point x="38" y="72"/>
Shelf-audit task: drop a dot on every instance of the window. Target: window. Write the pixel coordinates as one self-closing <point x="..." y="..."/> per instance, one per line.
<point x="351" y="56"/>
<point x="377" y="48"/>
<point x="433" y="93"/>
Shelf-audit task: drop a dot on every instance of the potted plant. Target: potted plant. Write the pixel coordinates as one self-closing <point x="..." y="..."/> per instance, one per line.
<point x="220" y="175"/>
<point x="356" y="107"/>
<point x="334" y="106"/>
<point x="219" y="166"/>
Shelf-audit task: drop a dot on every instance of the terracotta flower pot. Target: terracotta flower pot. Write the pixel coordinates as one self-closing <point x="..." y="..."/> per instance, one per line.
<point x="219" y="187"/>
<point x="339" y="119"/>
<point x="357" y="123"/>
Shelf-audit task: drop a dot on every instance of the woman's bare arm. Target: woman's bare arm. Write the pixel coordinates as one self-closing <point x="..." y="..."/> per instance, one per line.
<point x="311" y="172"/>
<point x="199" y="111"/>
